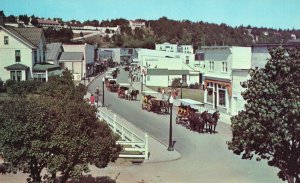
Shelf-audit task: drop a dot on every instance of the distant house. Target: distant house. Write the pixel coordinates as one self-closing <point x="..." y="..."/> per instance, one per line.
<point x="136" y="24"/>
<point x="49" y="23"/>
<point x="23" y="54"/>
<point x="167" y="66"/>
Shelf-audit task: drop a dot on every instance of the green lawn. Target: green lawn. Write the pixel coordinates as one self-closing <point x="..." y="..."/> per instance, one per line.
<point x="194" y="94"/>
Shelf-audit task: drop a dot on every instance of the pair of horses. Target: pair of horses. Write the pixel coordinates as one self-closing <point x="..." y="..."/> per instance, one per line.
<point x="200" y="121"/>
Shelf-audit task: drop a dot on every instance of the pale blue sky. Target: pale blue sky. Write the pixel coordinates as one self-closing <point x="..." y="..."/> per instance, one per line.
<point x="267" y="13"/>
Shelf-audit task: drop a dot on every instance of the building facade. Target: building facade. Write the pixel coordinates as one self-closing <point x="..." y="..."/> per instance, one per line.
<point x="225" y="68"/>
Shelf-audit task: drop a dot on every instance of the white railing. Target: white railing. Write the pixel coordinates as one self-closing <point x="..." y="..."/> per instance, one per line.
<point x="131" y="142"/>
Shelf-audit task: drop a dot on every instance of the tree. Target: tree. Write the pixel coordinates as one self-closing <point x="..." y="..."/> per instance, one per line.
<point x="269" y="126"/>
<point x="34" y="21"/>
<point x="56" y="130"/>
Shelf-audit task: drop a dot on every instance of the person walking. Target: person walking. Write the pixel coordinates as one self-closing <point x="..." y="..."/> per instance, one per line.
<point x="97" y="93"/>
<point x="163" y="93"/>
<point x="92" y="99"/>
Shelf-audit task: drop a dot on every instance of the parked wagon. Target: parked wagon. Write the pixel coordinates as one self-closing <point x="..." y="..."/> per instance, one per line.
<point x="112" y="85"/>
<point x="186" y="107"/>
<point x="123" y="90"/>
<point x="152" y="103"/>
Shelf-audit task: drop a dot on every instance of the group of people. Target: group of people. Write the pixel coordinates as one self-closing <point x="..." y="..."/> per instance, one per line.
<point x="173" y="92"/>
<point x="94" y="99"/>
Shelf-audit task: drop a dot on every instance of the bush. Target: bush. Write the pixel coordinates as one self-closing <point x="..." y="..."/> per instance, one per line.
<point x="22" y="88"/>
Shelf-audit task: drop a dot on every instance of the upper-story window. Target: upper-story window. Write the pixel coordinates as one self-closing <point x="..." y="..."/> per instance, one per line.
<point x="224" y="66"/>
<point x="211" y="65"/>
<point x="44" y="56"/>
<point x="5" y="39"/>
<point x="18" y="55"/>
<point x="35" y="56"/>
<point x="187" y="60"/>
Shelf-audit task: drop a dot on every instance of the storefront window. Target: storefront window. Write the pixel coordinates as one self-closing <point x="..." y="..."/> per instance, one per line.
<point x="209" y="95"/>
<point x="222" y="95"/>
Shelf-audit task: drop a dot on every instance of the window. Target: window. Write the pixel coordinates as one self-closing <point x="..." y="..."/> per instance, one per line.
<point x="5" y="39"/>
<point x="19" y="75"/>
<point x="222" y="101"/>
<point x="211" y="66"/>
<point x="12" y="75"/>
<point x="18" y="55"/>
<point x="35" y="56"/>
<point x="187" y="60"/>
<point x="44" y="56"/>
<point x="224" y="66"/>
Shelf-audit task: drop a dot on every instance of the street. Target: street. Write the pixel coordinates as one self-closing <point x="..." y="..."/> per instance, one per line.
<point x="204" y="157"/>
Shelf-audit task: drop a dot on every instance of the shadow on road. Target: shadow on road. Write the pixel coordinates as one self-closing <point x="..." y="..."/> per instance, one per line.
<point x="90" y="179"/>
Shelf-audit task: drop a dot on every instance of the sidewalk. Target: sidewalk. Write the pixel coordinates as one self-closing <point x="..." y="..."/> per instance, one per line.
<point x="225" y="118"/>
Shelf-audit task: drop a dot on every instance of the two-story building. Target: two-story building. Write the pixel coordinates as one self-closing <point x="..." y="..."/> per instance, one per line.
<point x="178" y="65"/>
<point x="225" y="68"/>
<point x="136" y="24"/>
<point x="23" y="54"/>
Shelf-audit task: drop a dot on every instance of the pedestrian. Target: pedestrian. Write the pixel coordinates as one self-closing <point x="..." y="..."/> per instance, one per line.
<point x="163" y="93"/>
<point x="97" y="92"/>
<point x="92" y="99"/>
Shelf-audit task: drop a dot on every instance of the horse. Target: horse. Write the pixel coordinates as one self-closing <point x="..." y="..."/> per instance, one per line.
<point x="133" y="94"/>
<point x="196" y="121"/>
<point x="164" y="106"/>
<point x="211" y="120"/>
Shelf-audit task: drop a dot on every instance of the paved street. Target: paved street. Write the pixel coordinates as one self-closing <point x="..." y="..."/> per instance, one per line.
<point x="204" y="157"/>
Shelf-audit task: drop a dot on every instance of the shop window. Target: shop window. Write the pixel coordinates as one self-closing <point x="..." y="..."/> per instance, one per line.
<point x="209" y="95"/>
<point x="222" y="95"/>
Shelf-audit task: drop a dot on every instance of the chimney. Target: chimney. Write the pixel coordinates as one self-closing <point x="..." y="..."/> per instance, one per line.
<point x="1" y="18"/>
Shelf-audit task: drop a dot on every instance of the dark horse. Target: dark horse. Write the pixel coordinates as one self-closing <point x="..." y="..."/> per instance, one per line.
<point x="133" y="94"/>
<point x="211" y="120"/>
<point x="196" y="121"/>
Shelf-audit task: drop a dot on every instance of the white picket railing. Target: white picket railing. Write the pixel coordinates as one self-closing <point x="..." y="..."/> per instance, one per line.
<point x="130" y="141"/>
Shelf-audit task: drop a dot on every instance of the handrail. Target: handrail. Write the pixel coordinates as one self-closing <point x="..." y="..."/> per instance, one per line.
<point x="134" y="140"/>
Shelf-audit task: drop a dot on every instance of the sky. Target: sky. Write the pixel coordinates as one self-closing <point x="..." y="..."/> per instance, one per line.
<point x="284" y="14"/>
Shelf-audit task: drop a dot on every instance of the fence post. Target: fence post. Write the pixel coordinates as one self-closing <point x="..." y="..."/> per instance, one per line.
<point x="115" y="124"/>
<point x="122" y="133"/>
<point x="146" y="146"/>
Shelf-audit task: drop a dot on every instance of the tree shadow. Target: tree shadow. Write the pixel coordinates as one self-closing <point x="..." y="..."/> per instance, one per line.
<point x="91" y="179"/>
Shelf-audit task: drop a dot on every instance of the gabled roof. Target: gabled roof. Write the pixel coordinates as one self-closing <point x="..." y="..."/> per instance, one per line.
<point x="71" y="56"/>
<point x="16" y="66"/>
<point x="53" y="50"/>
<point x="30" y="36"/>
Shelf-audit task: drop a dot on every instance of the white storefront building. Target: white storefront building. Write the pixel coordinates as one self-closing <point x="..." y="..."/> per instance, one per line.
<point x="225" y="68"/>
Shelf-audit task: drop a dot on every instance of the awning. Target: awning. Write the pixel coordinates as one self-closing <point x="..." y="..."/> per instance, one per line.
<point x="16" y="67"/>
<point x="222" y="83"/>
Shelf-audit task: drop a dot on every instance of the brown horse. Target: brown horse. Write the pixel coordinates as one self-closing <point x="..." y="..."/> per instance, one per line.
<point x="164" y="106"/>
<point x="211" y="120"/>
<point x="196" y="121"/>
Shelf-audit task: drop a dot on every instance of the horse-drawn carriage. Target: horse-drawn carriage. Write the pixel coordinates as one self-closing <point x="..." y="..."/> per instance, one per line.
<point x="112" y="85"/>
<point x="189" y="115"/>
<point x="152" y="103"/>
<point x="123" y="90"/>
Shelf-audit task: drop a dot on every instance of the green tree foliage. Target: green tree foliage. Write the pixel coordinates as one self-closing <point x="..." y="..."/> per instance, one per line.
<point x="22" y="88"/>
<point x="34" y="21"/>
<point x="63" y="35"/>
<point x="24" y="18"/>
<point x="56" y="131"/>
<point x="269" y="126"/>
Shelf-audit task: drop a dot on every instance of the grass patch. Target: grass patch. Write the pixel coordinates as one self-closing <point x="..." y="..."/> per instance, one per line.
<point x="194" y="94"/>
